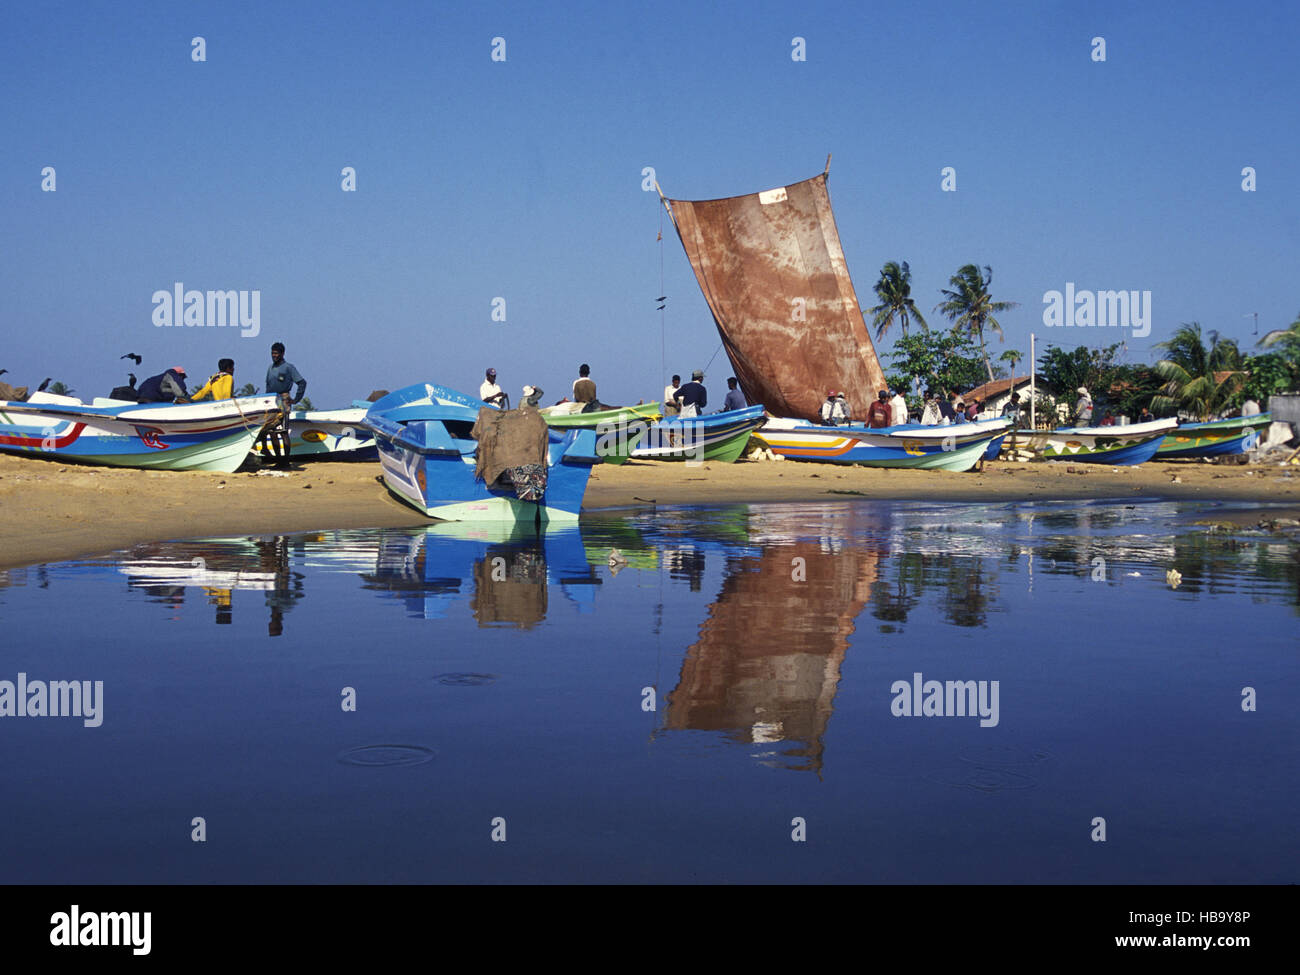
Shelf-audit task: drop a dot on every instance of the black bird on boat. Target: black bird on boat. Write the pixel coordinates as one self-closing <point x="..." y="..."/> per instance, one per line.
<point x="41" y="387"/>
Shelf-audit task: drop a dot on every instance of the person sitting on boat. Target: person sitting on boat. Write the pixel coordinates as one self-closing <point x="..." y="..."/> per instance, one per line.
<point x="931" y="414"/>
<point x="897" y="409"/>
<point x="166" y="387"/>
<point x="1083" y="408"/>
<point x="958" y="409"/>
<point x="973" y="410"/>
<point x="221" y="384"/>
<point x="1250" y="408"/>
<point x="1107" y="420"/>
<point x="692" y="397"/>
<point x="735" y="399"/>
<point x="532" y="396"/>
<point x="584" y="387"/>
<point x="880" y="415"/>
<point x="490" y="392"/>
<point x="1146" y="416"/>
<point x="670" y="407"/>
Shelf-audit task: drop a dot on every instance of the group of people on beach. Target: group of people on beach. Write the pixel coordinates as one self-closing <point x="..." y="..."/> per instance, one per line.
<point x="679" y="400"/>
<point x="283" y="380"/>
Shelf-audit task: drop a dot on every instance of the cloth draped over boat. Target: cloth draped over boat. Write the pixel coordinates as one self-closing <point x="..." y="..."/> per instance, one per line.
<point x="512" y="443"/>
<point x="13" y="394"/>
<point x="773" y="272"/>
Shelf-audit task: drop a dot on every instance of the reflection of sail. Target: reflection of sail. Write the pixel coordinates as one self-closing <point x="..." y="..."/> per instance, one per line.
<point x="767" y="662"/>
<point x="773" y="272"/>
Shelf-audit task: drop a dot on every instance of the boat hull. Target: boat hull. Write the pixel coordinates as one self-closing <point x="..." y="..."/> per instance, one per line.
<point x="1124" y="446"/>
<point x="720" y="437"/>
<point x="954" y="448"/>
<point x="328" y="432"/>
<point x="156" y="436"/>
<point x="1218" y="438"/>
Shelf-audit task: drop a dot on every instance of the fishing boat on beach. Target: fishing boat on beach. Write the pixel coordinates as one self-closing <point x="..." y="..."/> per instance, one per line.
<point x="317" y="433"/>
<point x="207" y="436"/>
<point x="951" y="448"/>
<point x="1120" y="446"/>
<point x="1216" y="438"/>
<point x="720" y="437"/>
<point x="619" y="428"/>
<point x="456" y="459"/>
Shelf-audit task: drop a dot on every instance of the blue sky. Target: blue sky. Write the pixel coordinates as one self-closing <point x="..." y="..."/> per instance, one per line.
<point x="479" y="179"/>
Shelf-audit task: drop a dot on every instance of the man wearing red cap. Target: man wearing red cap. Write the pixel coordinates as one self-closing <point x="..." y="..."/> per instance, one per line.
<point x="166" y="387"/>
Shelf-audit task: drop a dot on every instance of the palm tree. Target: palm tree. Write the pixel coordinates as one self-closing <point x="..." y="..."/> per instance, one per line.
<point x="248" y="389"/>
<point x="1288" y="338"/>
<point x="969" y="306"/>
<point x="1198" y="379"/>
<point x="60" y="388"/>
<point x="894" y="289"/>
<point x="1012" y="356"/>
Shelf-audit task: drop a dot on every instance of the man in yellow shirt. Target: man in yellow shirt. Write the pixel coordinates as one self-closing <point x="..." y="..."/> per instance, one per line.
<point x="222" y="383"/>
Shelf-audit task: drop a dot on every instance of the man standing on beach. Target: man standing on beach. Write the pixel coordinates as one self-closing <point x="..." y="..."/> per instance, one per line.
<point x="692" y="397"/>
<point x="1083" y="408"/>
<point x="670" y="407"/>
<point x="897" y="409"/>
<point x="281" y="378"/>
<point x="880" y="415"/>
<point x="490" y="392"/>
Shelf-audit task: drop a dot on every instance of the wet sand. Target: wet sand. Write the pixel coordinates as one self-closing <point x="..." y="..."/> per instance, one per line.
<point x="52" y="510"/>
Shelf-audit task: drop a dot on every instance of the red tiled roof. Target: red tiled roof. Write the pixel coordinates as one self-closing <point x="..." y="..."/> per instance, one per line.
<point x="995" y="388"/>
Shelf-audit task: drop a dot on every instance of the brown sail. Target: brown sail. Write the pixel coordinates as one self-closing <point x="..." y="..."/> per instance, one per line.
<point x="773" y="272"/>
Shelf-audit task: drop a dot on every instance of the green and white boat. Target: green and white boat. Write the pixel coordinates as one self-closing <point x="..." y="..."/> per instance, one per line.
<point x="621" y="429"/>
<point x="1216" y="438"/>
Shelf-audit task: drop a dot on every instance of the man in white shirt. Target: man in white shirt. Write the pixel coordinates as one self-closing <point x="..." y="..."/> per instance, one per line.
<point x="898" y="409"/>
<point x="490" y="392"/>
<point x="669" y="405"/>
<point x="1250" y="408"/>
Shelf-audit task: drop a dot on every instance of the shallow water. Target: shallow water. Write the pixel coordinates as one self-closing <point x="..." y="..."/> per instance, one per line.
<point x="730" y="684"/>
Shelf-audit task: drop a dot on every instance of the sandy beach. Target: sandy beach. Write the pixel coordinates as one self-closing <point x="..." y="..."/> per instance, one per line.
<point x="52" y="510"/>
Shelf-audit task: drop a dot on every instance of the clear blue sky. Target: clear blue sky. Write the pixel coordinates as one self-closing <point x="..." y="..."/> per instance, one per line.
<point x="522" y="179"/>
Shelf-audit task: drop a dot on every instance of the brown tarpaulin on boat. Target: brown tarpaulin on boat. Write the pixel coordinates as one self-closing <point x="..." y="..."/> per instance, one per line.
<point x="773" y="272"/>
<point x="13" y="394"/>
<point x="508" y="438"/>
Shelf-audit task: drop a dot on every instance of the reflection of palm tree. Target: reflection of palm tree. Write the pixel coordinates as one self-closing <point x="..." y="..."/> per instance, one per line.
<point x="894" y="289"/>
<point x="1198" y="379"/>
<point x="971" y="308"/>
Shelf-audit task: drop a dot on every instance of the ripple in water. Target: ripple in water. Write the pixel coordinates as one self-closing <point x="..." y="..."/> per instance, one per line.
<point x="465" y="680"/>
<point x="1005" y="756"/>
<point x="386" y="756"/>
<point x="981" y="779"/>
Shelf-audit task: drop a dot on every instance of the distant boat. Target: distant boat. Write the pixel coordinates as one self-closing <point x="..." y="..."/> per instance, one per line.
<point x="207" y="436"/>
<point x="619" y="429"/>
<point x="429" y="457"/>
<point x="1213" y="439"/>
<point x="720" y="437"/>
<point x="317" y="433"/>
<point x="1121" y="446"/>
<point x="952" y="448"/>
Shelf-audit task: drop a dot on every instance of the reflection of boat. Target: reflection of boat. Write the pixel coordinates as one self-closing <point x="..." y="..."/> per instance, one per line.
<point x="1124" y="446"/>
<point x="717" y="436"/>
<point x="1213" y="439"/>
<point x="513" y="566"/>
<point x="952" y="448"/>
<point x="209" y="436"/>
<point x="427" y="448"/>
<point x="319" y="432"/>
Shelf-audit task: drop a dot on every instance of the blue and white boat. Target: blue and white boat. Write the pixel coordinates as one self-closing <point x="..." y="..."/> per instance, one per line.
<point x="207" y="436"/>
<point x="952" y="448"/>
<point x="429" y="456"/>
<point x="720" y="437"/>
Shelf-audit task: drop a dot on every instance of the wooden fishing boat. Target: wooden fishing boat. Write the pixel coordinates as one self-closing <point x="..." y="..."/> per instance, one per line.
<point x="207" y="436"/>
<point x="1216" y="438"/>
<point x="429" y="455"/>
<point x="1122" y="446"/>
<point x="720" y="437"/>
<point x="952" y="448"/>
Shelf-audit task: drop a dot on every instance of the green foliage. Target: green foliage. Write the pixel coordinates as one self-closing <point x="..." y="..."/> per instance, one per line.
<point x="970" y="307"/>
<point x="1265" y="375"/>
<point x="305" y="404"/>
<point x="248" y="389"/>
<point x="1199" y="379"/>
<point x="1285" y="341"/>
<point x="894" y="289"/>
<point x="60" y="388"/>
<point x="941" y="360"/>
